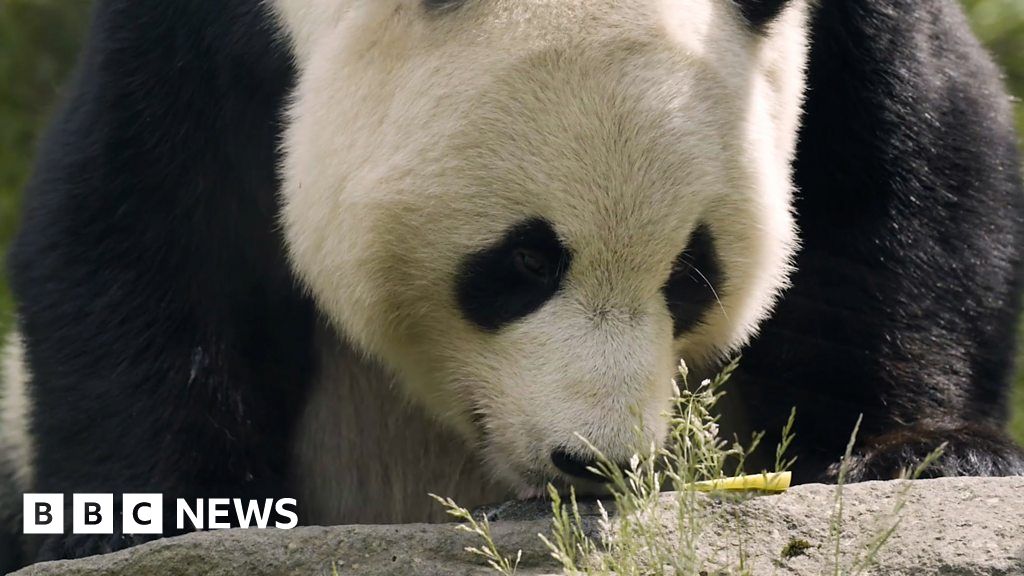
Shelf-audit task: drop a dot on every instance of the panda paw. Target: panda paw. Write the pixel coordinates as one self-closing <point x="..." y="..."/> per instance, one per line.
<point x="969" y="451"/>
<point x="73" y="546"/>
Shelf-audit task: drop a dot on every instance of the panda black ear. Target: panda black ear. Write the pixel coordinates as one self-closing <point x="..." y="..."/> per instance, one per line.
<point x="760" y="12"/>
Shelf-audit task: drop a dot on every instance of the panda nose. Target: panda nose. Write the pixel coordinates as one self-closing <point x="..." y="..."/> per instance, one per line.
<point x="576" y="466"/>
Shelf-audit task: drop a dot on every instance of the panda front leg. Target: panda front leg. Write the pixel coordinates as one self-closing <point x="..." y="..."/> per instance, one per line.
<point x="905" y="302"/>
<point x="18" y="466"/>
<point x="913" y="393"/>
<point x="966" y="450"/>
<point x="182" y="451"/>
<point x="200" y="421"/>
<point x="832" y="386"/>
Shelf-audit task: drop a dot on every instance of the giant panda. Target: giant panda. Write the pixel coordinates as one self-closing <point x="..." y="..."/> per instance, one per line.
<point x="357" y="251"/>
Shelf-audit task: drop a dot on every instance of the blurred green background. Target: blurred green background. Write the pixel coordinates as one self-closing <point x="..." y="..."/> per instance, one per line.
<point x="39" y="39"/>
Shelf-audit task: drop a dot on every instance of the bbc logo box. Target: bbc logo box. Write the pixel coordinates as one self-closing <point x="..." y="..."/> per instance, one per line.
<point x="43" y="514"/>
<point x="93" y="514"/>
<point x="144" y="513"/>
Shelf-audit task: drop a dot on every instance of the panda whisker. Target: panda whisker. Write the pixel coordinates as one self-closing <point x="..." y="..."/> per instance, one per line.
<point x="712" y="288"/>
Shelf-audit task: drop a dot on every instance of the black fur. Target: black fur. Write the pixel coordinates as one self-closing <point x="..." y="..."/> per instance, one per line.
<point x="690" y="288"/>
<point x="442" y="5"/>
<point x="10" y="523"/>
<point x="170" y="348"/>
<point x="906" y="298"/>
<point x="168" y="345"/>
<point x="494" y="288"/>
<point x="760" y="12"/>
<point x="575" y="466"/>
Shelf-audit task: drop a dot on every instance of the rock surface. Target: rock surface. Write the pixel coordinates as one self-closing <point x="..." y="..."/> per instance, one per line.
<point x="950" y="527"/>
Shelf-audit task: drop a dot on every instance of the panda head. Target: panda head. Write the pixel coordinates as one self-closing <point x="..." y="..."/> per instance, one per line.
<point x="529" y="210"/>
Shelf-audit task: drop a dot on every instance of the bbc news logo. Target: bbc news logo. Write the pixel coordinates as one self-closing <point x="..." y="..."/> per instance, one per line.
<point x="143" y="514"/>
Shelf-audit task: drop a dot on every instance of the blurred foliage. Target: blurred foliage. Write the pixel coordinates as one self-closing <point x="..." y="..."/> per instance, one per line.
<point x="39" y="39"/>
<point x="1000" y="26"/>
<point x="38" y="43"/>
<point x="1017" y="399"/>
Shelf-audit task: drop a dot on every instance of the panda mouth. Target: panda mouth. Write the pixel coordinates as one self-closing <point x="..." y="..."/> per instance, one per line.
<point x="575" y="467"/>
<point x="530" y="483"/>
<point x="559" y="470"/>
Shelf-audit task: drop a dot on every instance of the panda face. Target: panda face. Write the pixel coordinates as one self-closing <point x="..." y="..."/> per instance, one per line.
<point x="530" y="210"/>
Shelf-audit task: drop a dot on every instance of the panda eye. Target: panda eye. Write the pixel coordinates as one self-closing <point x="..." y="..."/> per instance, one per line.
<point x="514" y="277"/>
<point x="696" y="276"/>
<point x="532" y="264"/>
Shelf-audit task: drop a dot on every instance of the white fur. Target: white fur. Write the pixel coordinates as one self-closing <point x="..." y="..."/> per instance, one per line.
<point x="401" y="454"/>
<point x="15" y="440"/>
<point x="417" y="139"/>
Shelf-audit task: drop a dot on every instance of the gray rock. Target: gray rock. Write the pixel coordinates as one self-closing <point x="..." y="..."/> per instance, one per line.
<point x="950" y="527"/>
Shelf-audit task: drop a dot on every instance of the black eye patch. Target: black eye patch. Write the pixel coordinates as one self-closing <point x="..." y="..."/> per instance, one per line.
<point x="759" y="13"/>
<point x="442" y="5"/>
<point x="513" y="278"/>
<point x="690" y="290"/>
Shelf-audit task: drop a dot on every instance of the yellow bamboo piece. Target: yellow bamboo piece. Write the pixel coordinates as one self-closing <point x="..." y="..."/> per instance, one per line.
<point x="767" y="482"/>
